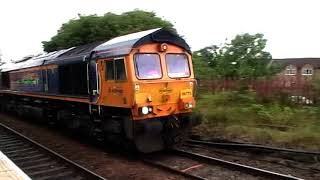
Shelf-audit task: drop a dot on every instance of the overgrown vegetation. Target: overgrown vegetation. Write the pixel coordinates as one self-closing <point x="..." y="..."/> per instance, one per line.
<point x="241" y="116"/>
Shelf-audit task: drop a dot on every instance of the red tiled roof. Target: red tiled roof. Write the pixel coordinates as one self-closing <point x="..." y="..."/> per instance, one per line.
<point x="299" y="62"/>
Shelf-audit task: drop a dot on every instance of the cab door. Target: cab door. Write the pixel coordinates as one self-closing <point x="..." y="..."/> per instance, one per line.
<point x="93" y="81"/>
<point x="116" y="83"/>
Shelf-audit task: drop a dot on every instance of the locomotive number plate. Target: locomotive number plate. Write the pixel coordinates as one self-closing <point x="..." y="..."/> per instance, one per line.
<point x="185" y="93"/>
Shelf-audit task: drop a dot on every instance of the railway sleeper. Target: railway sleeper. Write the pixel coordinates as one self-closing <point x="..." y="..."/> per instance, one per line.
<point x="35" y="174"/>
<point x="40" y="166"/>
<point x="27" y="158"/>
<point x="4" y="149"/>
<point x="62" y="175"/>
<point x="17" y="151"/>
<point x="28" y="153"/>
<point x="11" y="141"/>
<point x="29" y="163"/>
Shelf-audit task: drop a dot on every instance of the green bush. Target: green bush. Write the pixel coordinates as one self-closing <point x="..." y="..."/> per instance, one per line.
<point x="241" y="115"/>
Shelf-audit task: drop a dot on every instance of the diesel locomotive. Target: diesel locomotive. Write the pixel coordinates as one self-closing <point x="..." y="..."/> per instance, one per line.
<point x="137" y="89"/>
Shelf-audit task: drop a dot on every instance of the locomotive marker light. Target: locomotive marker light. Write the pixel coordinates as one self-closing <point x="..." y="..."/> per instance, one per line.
<point x="136" y="87"/>
<point x="163" y="47"/>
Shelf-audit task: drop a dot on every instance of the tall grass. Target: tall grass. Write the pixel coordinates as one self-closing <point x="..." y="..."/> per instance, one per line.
<point x="241" y="116"/>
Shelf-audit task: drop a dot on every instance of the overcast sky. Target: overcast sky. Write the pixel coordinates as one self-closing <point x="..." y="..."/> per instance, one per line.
<point x="291" y="27"/>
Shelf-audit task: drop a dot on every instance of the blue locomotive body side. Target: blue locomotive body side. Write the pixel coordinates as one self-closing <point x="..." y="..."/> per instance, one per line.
<point x="29" y="81"/>
<point x="52" y="81"/>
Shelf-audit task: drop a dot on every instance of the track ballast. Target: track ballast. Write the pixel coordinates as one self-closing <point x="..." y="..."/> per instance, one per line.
<point x="37" y="161"/>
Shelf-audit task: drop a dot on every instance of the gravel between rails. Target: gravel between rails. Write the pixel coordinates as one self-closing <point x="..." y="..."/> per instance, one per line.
<point x="110" y="165"/>
<point x="260" y="160"/>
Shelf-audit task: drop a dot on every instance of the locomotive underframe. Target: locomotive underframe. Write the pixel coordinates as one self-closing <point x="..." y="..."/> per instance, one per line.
<point x="104" y="123"/>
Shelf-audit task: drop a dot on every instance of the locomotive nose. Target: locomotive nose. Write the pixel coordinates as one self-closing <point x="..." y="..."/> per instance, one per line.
<point x="163" y="98"/>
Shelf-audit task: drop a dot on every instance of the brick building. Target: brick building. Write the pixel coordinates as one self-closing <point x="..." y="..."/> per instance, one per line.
<point x="295" y="70"/>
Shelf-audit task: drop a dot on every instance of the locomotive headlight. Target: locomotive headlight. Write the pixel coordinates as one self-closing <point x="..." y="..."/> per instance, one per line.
<point x="145" y="110"/>
<point x="188" y="105"/>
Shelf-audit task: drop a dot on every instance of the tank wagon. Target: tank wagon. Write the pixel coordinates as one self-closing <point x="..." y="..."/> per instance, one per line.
<point x="136" y="89"/>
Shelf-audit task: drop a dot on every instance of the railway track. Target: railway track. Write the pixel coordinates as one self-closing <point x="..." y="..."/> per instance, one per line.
<point x="304" y="160"/>
<point x="167" y="167"/>
<point x="235" y="166"/>
<point x="251" y="146"/>
<point x="197" y="166"/>
<point x="39" y="162"/>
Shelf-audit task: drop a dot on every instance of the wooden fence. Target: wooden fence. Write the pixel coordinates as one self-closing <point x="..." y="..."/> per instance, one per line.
<point x="297" y="90"/>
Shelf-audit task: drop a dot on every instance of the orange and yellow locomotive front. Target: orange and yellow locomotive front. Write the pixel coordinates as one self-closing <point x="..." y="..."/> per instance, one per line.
<point x="156" y="83"/>
<point x="157" y="80"/>
<point x="163" y="81"/>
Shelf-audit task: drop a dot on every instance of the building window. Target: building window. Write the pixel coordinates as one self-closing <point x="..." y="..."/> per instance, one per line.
<point x="307" y="71"/>
<point x="291" y="70"/>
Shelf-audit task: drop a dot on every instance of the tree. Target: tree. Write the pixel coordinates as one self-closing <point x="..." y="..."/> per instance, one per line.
<point x="93" y="28"/>
<point x="201" y="63"/>
<point x="244" y="57"/>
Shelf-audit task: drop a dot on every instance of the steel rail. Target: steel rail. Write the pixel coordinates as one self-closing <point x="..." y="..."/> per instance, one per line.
<point x="13" y="136"/>
<point x="173" y="170"/>
<point x="239" y="167"/>
<point x="253" y="146"/>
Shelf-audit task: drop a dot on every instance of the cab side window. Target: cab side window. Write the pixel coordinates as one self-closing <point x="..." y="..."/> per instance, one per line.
<point x="109" y="70"/>
<point x="115" y="70"/>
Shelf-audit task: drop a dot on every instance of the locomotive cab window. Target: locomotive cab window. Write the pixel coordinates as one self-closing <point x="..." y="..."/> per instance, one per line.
<point x="177" y="65"/>
<point x="148" y="66"/>
<point x="109" y="70"/>
<point x="115" y="70"/>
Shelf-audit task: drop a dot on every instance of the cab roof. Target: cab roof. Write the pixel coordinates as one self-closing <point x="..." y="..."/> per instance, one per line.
<point x="124" y="44"/>
<point x="119" y="46"/>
